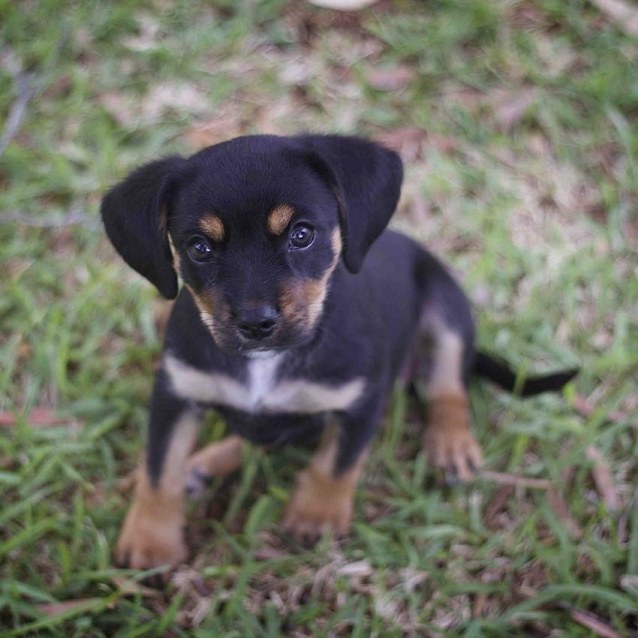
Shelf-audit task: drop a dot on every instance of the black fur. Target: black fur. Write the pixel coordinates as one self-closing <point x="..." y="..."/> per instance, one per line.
<point x="499" y="372"/>
<point x="132" y="215"/>
<point x="367" y="180"/>
<point x="374" y="323"/>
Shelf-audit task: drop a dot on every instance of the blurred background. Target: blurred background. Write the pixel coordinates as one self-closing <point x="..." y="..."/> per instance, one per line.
<point x="516" y="120"/>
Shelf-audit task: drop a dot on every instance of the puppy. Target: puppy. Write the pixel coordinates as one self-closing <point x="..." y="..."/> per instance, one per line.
<point x="298" y="314"/>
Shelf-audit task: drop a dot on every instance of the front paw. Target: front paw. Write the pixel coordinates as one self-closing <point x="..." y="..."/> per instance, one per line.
<point x="318" y="506"/>
<point x="216" y="460"/>
<point x="151" y="539"/>
<point x="448" y="441"/>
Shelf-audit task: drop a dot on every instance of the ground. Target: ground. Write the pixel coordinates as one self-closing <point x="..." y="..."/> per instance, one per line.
<point x="517" y="124"/>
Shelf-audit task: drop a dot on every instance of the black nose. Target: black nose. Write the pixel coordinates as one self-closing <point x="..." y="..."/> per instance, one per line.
<point x="257" y="322"/>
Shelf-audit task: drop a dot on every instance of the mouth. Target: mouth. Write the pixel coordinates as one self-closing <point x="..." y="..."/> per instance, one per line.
<point x="262" y="348"/>
<point x="284" y="341"/>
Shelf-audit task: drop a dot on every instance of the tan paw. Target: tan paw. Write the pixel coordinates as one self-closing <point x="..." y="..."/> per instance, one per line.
<point x="215" y="460"/>
<point x="318" y="506"/>
<point x="457" y="453"/>
<point x="448" y="441"/>
<point x="151" y="540"/>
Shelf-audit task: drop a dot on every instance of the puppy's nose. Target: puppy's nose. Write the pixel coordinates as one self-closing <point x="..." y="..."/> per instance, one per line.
<point x="257" y="322"/>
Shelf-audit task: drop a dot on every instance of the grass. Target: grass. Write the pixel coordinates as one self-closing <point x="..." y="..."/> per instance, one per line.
<point x="517" y="122"/>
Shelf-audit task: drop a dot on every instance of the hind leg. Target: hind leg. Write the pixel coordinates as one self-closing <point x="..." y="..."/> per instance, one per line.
<point x="213" y="461"/>
<point x="448" y="440"/>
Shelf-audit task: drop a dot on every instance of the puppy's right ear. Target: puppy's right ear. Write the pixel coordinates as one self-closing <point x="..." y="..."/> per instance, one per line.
<point x="135" y="213"/>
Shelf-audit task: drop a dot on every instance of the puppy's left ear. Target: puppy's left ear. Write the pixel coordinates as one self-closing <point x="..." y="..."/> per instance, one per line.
<point x="367" y="181"/>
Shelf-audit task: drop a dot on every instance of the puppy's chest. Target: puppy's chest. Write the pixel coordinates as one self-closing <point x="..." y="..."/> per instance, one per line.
<point x="263" y="388"/>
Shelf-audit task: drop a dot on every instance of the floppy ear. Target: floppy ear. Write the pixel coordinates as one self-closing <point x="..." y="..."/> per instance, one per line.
<point x="134" y="212"/>
<point x="367" y="181"/>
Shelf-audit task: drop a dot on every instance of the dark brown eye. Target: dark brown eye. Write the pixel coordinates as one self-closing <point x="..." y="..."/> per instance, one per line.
<point x="301" y="236"/>
<point x="199" y="249"/>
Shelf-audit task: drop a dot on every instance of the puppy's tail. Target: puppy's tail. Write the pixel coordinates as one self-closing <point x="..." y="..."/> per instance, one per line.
<point x="499" y="372"/>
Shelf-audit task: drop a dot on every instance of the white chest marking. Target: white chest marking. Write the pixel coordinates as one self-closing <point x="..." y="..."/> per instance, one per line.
<point x="263" y="391"/>
<point x="262" y="379"/>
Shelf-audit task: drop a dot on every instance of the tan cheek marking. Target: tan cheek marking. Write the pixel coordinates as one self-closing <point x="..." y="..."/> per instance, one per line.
<point x="211" y="312"/>
<point x="204" y="303"/>
<point x="302" y="301"/>
<point x="279" y="218"/>
<point x="152" y="532"/>
<point x="321" y="501"/>
<point x="315" y="295"/>
<point x="213" y="226"/>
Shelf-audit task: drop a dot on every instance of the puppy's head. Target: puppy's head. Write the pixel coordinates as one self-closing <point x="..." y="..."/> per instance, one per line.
<point x="255" y="227"/>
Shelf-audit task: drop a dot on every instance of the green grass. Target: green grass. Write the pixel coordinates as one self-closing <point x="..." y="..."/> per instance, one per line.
<point x="525" y="180"/>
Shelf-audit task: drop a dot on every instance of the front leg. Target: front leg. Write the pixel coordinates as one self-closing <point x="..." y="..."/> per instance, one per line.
<point x="323" y="498"/>
<point x="153" y="533"/>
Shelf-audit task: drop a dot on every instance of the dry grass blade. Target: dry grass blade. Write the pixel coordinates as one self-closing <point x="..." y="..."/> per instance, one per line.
<point x="593" y="623"/>
<point x="128" y="586"/>
<point x="26" y="92"/>
<point x="407" y="141"/>
<point x="37" y="418"/>
<point x="496" y="506"/>
<point x="622" y="13"/>
<point x="357" y="568"/>
<point x="390" y="79"/>
<point x="583" y="406"/>
<point x="512" y="107"/>
<point x="55" y="609"/>
<point x="516" y="481"/>
<point x="561" y="508"/>
<point x="343" y="5"/>
<point x="603" y="479"/>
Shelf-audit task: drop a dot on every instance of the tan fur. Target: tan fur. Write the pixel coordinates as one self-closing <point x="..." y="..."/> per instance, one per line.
<point x="336" y="245"/>
<point x="448" y="440"/>
<point x="218" y="459"/>
<point x="152" y="533"/>
<point x="210" y="311"/>
<point x="301" y="301"/>
<point x="213" y="226"/>
<point x="321" y="501"/>
<point x="176" y="260"/>
<point x="447" y="362"/>
<point x="279" y="218"/>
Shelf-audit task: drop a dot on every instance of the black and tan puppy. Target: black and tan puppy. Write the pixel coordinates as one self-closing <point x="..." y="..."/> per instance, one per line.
<point x="297" y="316"/>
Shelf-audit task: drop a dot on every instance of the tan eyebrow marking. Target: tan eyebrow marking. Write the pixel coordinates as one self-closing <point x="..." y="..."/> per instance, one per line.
<point x="279" y="218"/>
<point x="213" y="227"/>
